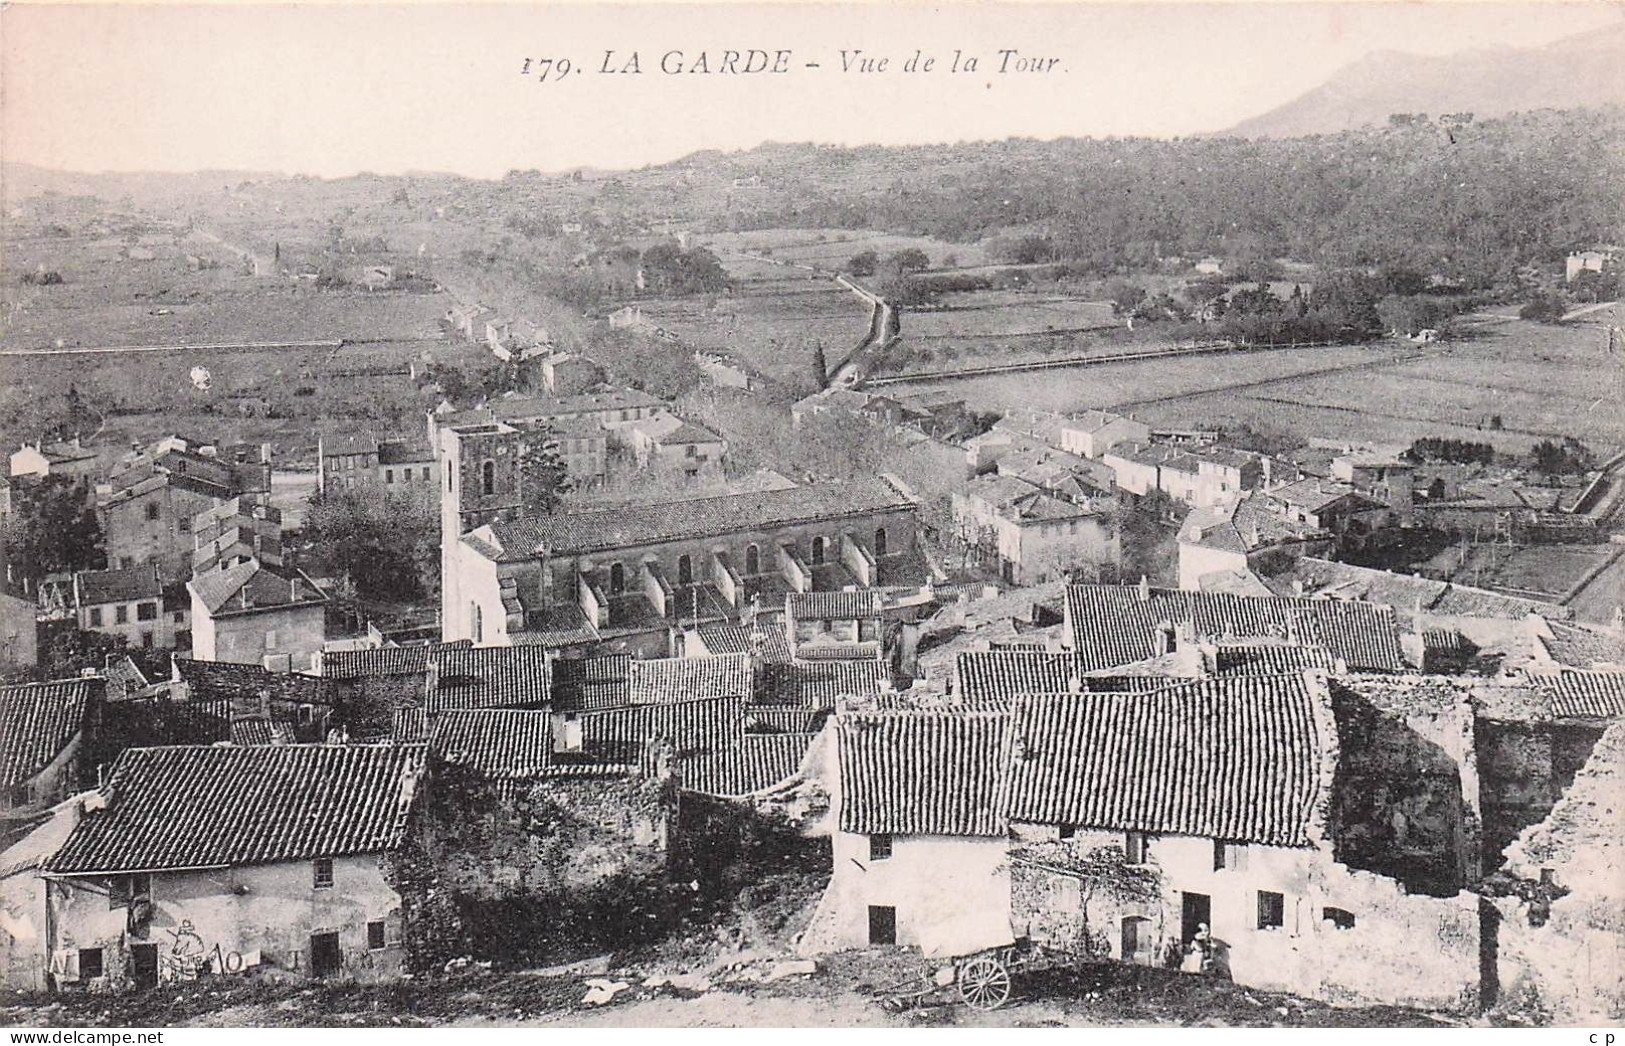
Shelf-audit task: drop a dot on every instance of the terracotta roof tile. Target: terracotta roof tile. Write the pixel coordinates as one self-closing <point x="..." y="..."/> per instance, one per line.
<point x="667" y="679"/>
<point x="384" y="661"/>
<point x="816" y="684"/>
<point x="983" y="675"/>
<point x="591" y="682"/>
<point x="620" y="734"/>
<point x="1585" y="694"/>
<point x="505" y="743"/>
<point x="1238" y="758"/>
<point x="37" y="721"/>
<point x="921" y="773"/>
<point x="205" y="807"/>
<point x="846" y="605"/>
<point x="756" y="763"/>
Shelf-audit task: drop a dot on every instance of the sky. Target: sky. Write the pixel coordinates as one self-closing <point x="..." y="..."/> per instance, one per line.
<point x="334" y="89"/>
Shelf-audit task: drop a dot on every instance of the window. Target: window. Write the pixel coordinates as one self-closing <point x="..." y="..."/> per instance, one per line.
<point x="880" y="846"/>
<point x="152" y="510"/>
<point x="322" y="873"/>
<point x="753" y="560"/>
<point x="180" y="617"/>
<point x="122" y="889"/>
<point x="184" y="522"/>
<point x="1068" y="831"/>
<point x="425" y="476"/>
<point x="90" y="963"/>
<point x="1229" y="855"/>
<point x="617" y="579"/>
<point x="95" y="617"/>
<point x="389" y="476"/>
<point x="688" y="451"/>
<point x="818" y="544"/>
<point x="476" y="622"/>
<point x="146" y="611"/>
<point x="880" y="541"/>
<point x="1271" y="910"/>
<point x="1134" y="847"/>
<point x="449" y="473"/>
<point x="146" y="640"/>
<point x="488" y="478"/>
<point x="685" y="570"/>
<point x="882" y="924"/>
<point x="1338" y="917"/>
<point x="375" y="935"/>
<point x="121" y="614"/>
<point x="270" y="639"/>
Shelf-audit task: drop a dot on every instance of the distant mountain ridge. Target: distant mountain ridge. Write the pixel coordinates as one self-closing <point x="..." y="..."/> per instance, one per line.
<point x="1583" y="70"/>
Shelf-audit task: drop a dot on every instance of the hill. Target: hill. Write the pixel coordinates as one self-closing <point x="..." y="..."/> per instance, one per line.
<point x="1586" y="70"/>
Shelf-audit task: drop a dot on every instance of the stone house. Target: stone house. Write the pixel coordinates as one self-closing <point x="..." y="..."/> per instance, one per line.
<point x="1107" y="626"/>
<point x="631" y="575"/>
<point x="235" y="531"/>
<point x="569" y="373"/>
<point x="1243" y="536"/>
<point x="1329" y="505"/>
<point x="361" y="461"/>
<point x="666" y="441"/>
<point x="150" y="503"/>
<point x="24" y="921"/>
<point x="127" y="603"/>
<point x="19" y="628"/>
<point x="1093" y="432"/>
<point x="1033" y="535"/>
<point x="256" y="615"/>
<point x="1120" y="826"/>
<point x="44" y="743"/>
<point x="200" y="860"/>
<point x="55" y="459"/>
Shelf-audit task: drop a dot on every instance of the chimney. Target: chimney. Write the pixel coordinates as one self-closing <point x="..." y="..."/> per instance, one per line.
<point x="431" y="680"/>
<point x="1145" y="589"/>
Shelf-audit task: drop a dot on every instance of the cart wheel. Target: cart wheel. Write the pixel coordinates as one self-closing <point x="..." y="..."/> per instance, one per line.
<point x="984" y="983"/>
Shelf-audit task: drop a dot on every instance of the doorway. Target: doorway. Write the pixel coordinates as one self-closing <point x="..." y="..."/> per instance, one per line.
<point x="882" y="924"/>
<point x="1136" y="938"/>
<point x="144" y="966"/>
<point x="325" y="957"/>
<point x="1196" y="909"/>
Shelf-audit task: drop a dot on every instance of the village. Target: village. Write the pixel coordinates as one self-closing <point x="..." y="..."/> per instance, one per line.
<point x="702" y="594"/>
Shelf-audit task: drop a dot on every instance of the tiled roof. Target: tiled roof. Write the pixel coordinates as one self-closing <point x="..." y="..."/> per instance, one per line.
<point x="821" y="651"/>
<point x="921" y="773"/>
<point x="1238" y="758"/>
<point x="1256" y="659"/>
<point x="666" y="679"/>
<point x="783" y="719"/>
<point x="591" y="682"/>
<point x="1583" y="694"/>
<point x="491" y="677"/>
<point x="384" y="661"/>
<point x="404" y="452"/>
<point x="757" y="762"/>
<point x="207" y="807"/>
<point x="118" y="586"/>
<point x="981" y="675"/>
<point x="1407" y="592"/>
<point x="619" y="734"/>
<point x="1112" y="625"/>
<point x="736" y="639"/>
<point x="210" y="680"/>
<point x="349" y="443"/>
<point x="847" y="605"/>
<point x="816" y="684"/>
<point x="409" y="724"/>
<point x="248" y="587"/>
<point x="252" y="732"/>
<point x="1243" y="526"/>
<point x="554" y="627"/>
<point x="494" y="742"/>
<point x="652" y="523"/>
<point x="37" y="721"/>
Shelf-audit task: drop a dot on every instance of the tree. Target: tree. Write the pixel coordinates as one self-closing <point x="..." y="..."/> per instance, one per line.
<point x="377" y="545"/>
<point x="909" y="260"/>
<point x="66" y="649"/>
<point x="1544" y="307"/>
<point x="820" y="364"/>
<point x="543" y="476"/>
<point x="53" y="528"/>
<point x="863" y="263"/>
<point x="1126" y="297"/>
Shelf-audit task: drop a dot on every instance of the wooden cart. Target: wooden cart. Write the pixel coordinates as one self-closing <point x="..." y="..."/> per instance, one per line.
<point x="982" y="980"/>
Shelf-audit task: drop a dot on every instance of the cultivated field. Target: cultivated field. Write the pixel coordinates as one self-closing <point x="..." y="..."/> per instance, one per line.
<point x="1544" y="571"/>
<point x="1542" y="382"/>
<point x="829" y="249"/>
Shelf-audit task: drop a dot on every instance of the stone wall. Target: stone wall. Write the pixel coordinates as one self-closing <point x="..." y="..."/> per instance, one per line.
<point x="535" y="871"/>
<point x="1524" y="768"/>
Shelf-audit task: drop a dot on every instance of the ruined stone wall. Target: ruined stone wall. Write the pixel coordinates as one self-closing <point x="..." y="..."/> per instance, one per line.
<point x="1524" y="768"/>
<point x="534" y="871"/>
<point x="1566" y="966"/>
